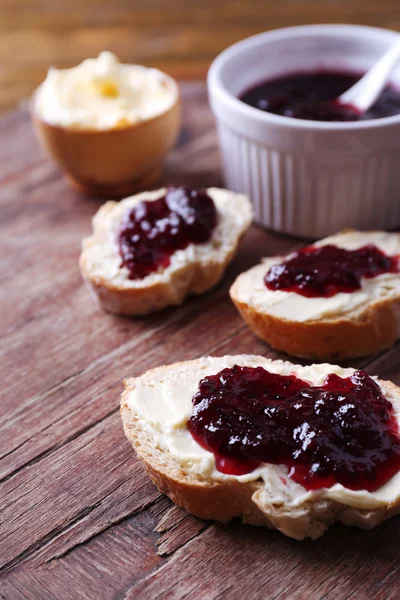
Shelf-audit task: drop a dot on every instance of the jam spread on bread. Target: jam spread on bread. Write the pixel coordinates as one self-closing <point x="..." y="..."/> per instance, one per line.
<point x="324" y="271"/>
<point x="311" y="96"/>
<point x="154" y="229"/>
<point x="343" y="431"/>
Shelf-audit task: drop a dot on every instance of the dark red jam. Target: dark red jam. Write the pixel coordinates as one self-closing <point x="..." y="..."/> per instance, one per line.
<point x="324" y="271"/>
<point x="311" y="96"/>
<point x="343" y="431"/>
<point x="154" y="229"/>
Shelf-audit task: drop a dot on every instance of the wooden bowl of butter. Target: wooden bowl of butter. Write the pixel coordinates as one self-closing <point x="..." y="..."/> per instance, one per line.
<point x="108" y="125"/>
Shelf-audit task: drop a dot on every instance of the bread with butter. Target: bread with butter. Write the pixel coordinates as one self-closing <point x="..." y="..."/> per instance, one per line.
<point x="192" y="270"/>
<point x="346" y="325"/>
<point x="155" y="409"/>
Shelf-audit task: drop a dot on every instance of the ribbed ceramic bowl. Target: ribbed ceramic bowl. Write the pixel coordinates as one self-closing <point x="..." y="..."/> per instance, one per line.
<point x="307" y="178"/>
<point x="112" y="162"/>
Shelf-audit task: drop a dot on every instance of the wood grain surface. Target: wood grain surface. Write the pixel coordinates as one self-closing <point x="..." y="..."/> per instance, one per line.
<point x="79" y="517"/>
<point x="180" y="36"/>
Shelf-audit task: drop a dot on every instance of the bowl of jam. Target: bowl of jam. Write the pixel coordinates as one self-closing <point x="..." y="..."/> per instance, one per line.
<point x="310" y="166"/>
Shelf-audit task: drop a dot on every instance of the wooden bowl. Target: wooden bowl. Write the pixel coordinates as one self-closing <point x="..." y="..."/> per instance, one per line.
<point x="113" y="162"/>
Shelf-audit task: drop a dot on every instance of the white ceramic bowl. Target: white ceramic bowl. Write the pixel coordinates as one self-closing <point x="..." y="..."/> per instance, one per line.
<point x="307" y="178"/>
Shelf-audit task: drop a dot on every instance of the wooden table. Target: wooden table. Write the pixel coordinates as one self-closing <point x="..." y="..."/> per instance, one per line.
<point x="79" y="516"/>
<point x="179" y="36"/>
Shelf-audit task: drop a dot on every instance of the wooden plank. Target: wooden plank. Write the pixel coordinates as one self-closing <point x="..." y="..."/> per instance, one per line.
<point x="79" y="516"/>
<point x="237" y="561"/>
<point x="177" y="528"/>
<point x="85" y="477"/>
<point x="101" y="569"/>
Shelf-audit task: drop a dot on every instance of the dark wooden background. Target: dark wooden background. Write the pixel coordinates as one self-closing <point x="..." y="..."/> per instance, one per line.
<point x="180" y="36"/>
<point x="79" y="518"/>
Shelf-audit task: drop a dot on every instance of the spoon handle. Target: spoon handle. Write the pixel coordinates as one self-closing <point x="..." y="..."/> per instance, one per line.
<point x="366" y="91"/>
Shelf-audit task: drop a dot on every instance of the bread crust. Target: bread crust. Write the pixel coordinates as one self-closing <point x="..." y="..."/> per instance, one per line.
<point x="225" y="500"/>
<point x="373" y="330"/>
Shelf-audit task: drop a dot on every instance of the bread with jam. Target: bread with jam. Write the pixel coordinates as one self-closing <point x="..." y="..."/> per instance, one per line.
<point x="276" y="444"/>
<point x="336" y="299"/>
<point x="153" y="249"/>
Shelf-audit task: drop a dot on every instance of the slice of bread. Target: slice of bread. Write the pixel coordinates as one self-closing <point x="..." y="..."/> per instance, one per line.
<point x="155" y="409"/>
<point x="193" y="270"/>
<point x="343" y="326"/>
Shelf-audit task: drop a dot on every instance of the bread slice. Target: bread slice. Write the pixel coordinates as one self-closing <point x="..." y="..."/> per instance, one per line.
<point x="344" y="326"/>
<point x="193" y="270"/>
<point x="155" y="409"/>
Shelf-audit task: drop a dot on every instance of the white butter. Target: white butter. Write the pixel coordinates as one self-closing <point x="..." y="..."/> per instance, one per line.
<point x="289" y="305"/>
<point x="101" y="93"/>
<point x="164" y="406"/>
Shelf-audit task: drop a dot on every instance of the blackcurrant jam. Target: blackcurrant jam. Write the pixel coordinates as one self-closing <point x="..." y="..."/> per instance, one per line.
<point x="343" y="431"/>
<point x="311" y="96"/>
<point x="324" y="271"/>
<point x="154" y="229"/>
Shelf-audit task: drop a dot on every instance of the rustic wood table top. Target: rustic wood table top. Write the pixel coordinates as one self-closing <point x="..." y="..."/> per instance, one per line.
<point x="179" y="36"/>
<point x="79" y="516"/>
